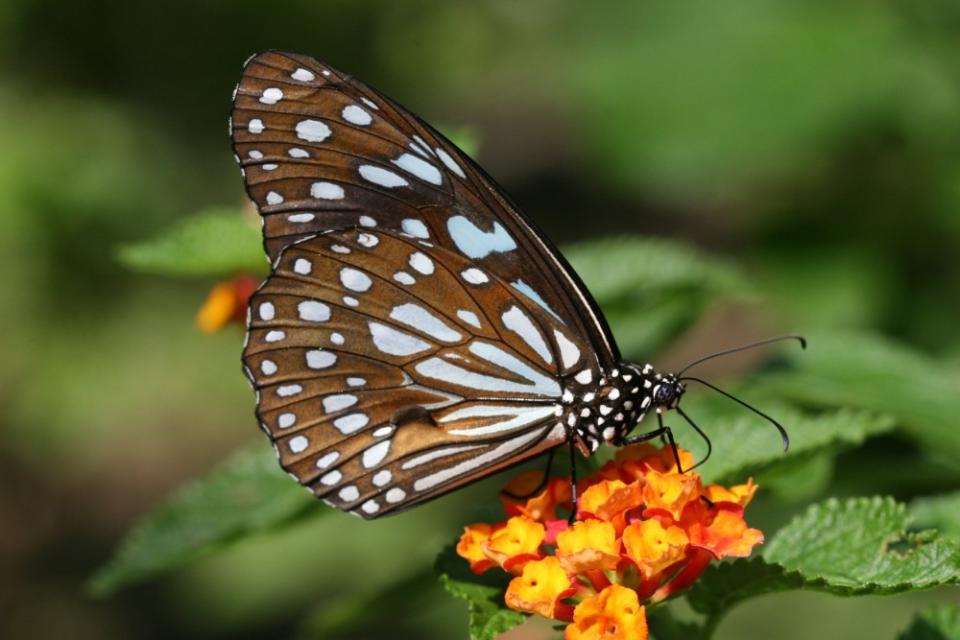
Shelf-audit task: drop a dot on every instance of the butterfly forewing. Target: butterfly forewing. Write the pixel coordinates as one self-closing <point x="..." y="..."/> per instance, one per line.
<point x="390" y="370"/>
<point x="323" y="151"/>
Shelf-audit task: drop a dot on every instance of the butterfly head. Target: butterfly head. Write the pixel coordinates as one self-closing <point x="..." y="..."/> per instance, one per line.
<point x="667" y="391"/>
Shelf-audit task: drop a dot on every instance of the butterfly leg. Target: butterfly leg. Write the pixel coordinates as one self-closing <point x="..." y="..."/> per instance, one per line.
<point x="661" y="432"/>
<point x="539" y="487"/>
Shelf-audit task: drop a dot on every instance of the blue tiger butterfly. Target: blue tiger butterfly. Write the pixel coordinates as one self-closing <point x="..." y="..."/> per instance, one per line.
<point x="417" y="332"/>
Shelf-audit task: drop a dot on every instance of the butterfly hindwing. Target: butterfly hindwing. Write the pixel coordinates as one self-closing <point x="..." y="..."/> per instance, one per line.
<point x="390" y="370"/>
<point x="323" y="151"/>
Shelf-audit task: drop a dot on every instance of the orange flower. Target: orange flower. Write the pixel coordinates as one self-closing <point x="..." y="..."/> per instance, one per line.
<point x="720" y="529"/>
<point x="671" y="492"/>
<point x="515" y="544"/>
<point x="613" y="614"/>
<point x="226" y="303"/>
<point x="610" y="500"/>
<point x="588" y="545"/>
<point x="542" y="506"/>
<point x="740" y="494"/>
<point x="470" y="546"/>
<point x="654" y="547"/>
<point x="540" y="588"/>
<point x="639" y="459"/>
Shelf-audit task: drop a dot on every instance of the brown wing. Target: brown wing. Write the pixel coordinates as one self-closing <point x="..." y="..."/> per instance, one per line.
<point x="390" y="370"/>
<point x="321" y="151"/>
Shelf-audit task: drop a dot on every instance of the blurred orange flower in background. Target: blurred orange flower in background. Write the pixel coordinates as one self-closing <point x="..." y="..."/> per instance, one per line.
<point x="642" y="532"/>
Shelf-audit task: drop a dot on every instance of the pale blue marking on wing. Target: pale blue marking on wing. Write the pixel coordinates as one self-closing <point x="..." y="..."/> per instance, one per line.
<point x="528" y="291"/>
<point x="476" y="243"/>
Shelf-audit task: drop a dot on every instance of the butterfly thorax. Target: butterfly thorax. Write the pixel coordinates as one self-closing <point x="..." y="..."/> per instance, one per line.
<point x="607" y="411"/>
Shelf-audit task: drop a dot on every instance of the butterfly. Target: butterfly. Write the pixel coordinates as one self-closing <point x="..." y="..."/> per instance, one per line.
<point x="417" y="331"/>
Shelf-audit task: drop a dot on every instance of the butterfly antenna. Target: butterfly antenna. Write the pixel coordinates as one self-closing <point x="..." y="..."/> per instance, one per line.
<point x="783" y="432"/>
<point x="702" y="435"/>
<point x="759" y="343"/>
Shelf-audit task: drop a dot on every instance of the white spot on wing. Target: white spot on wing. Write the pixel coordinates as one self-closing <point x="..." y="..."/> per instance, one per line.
<point x="301" y="217"/>
<point x="297" y="152"/>
<point x="356" y="115"/>
<point x="476" y="243"/>
<point x="320" y="359"/>
<point x="268" y="367"/>
<point x="569" y="352"/>
<point x="469" y="317"/>
<point x="313" y="311"/>
<point x="403" y="277"/>
<point x="349" y="494"/>
<point x="450" y="162"/>
<point x="351" y="423"/>
<point x="474" y="276"/>
<point x="286" y="420"/>
<point x="275" y="336"/>
<point x="338" y="402"/>
<point x="375" y="454"/>
<point x="396" y="495"/>
<point x="419" y="168"/>
<point x="370" y="506"/>
<point x="395" y="343"/>
<point x="298" y="444"/>
<point x="367" y="221"/>
<point x="255" y="126"/>
<point x="326" y="191"/>
<point x="520" y="323"/>
<point x="381" y="176"/>
<point x="420" y="262"/>
<point x="355" y="280"/>
<point x="274" y="198"/>
<point x="267" y="311"/>
<point x="328" y="459"/>
<point x="382" y="478"/>
<point x="303" y="266"/>
<point x="312" y="130"/>
<point x="356" y="382"/>
<point x="331" y="478"/>
<point x="415" y="228"/>
<point x="303" y="75"/>
<point x="370" y="103"/>
<point x="273" y="95"/>
<point x="415" y="316"/>
<point x="287" y="390"/>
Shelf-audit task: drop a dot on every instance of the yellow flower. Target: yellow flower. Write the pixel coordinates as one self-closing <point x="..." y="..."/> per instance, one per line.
<point x="540" y="588"/>
<point x="610" y="500"/>
<point x="542" y="506"/>
<point x="470" y="546"/>
<point x="670" y="492"/>
<point x="654" y="547"/>
<point x="720" y="529"/>
<point x="613" y="614"/>
<point x="740" y="494"/>
<point x="589" y="544"/>
<point x="515" y="544"/>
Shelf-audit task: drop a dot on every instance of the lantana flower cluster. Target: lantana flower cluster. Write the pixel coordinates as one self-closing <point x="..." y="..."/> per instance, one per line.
<point x="642" y="532"/>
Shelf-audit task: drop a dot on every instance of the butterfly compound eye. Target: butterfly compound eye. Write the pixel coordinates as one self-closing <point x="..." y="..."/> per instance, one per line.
<point x="663" y="394"/>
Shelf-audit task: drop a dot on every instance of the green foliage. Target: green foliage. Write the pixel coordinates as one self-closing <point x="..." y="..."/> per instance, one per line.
<point x="215" y="242"/>
<point x="941" y="512"/>
<point x="651" y="290"/>
<point x="860" y="370"/>
<point x="857" y="547"/>
<point x="488" y="617"/>
<point x="938" y="623"/>
<point x="862" y="546"/>
<point x="246" y="494"/>
<point x="748" y="445"/>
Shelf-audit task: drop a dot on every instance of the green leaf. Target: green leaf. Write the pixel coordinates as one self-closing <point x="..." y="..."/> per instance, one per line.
<point x="488" y="616"/>
<point x="857" y="547"/>
<point x="651" y="289"/>
<point x="873" y="373"/>
<point x="246" y="494"/>
<point x="936" y="623"/>
<point x="862" y="546"/>
<point x="215" y="242"/>
<point x="938" y="512"/>
<point x="750" y="445"/>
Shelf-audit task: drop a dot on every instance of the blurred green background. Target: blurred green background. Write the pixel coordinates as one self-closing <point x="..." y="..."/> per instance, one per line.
<point x="812" y="145"/>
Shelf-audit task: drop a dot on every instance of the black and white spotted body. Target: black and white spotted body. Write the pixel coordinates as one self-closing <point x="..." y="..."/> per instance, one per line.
<point x="606" y="412"/>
